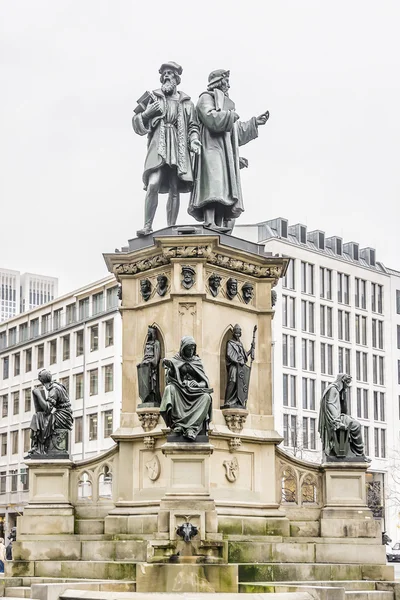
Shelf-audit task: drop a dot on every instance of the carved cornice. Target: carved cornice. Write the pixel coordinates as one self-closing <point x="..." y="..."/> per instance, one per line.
<point x="205" y="252"/>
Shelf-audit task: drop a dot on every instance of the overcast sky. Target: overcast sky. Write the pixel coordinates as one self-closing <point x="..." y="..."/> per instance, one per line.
<point x="71" y="72"/>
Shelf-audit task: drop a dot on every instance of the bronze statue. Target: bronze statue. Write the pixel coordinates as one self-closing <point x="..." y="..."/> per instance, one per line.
<point x="231" y="288"/>
<point x="238" y="380"/>
<point x="145" y="289"/>
<point x="340" y="434"/>
<point x="186" y="404"/>
<point x="216" y="198"/>
<point x="168" y="118"/>
<point x="52" y="419"/>
<point x="214" y="283"/>
<point x="162" y="284"/>
<point x="188" y="276"/>
<point x="247" y="291"/>
<point x="149" y="370"/>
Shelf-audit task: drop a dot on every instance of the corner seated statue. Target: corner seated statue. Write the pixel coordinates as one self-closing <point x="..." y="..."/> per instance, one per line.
<point x="52" y="419"/>
<point x="186" y="404"/>
<point x="340" y="434"/>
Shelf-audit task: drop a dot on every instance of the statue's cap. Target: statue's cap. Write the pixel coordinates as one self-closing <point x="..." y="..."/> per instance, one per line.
<point x="217" y="75"/>
<point x="189" y="269"/>
<point x="171" y="65"/>
<point x="247" y="286"/>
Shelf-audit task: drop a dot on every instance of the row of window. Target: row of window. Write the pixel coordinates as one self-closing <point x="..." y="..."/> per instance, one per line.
<point x="50" y="322"/>
<point x="93" y="433"/>
<point x="65" y="341"/>
<point x="326" y="322"/>
<point x="108" y="378"/>
<point x="308" y="393"/>
<point x="14" y="481"/>
<point x="302" y="435"/>
<point x="307" y="286"/>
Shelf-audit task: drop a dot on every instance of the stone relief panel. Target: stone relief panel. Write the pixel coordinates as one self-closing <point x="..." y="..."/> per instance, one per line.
<point x="154" y="287"/>
<point x="234" y="289"/>
<point x="299" y="483"/>
<point x="152" y="470"/>
<point x="187" y="319"/>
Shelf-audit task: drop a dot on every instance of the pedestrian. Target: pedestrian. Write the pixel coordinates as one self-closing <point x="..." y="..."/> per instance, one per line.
<point x="9" y="551"/>
<point x="2" y="555"/>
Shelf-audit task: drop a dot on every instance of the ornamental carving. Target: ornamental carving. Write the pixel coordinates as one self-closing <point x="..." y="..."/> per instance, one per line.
<point x="148" y="419"/>
<point x="235" y="419"/>
<point x="234" y="444"/>
<point x="213" y="258"/>
<point x="153" y="468"/>
<point x="231" y="469"/>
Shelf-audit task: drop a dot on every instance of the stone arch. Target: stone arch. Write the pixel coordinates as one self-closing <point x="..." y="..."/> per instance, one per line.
<point x="85" y="487"/>
<point x="227" y="335"/>
<point x="105" y="481"/>
<point x="309" y="489"/>
<point x="289" y="486"/>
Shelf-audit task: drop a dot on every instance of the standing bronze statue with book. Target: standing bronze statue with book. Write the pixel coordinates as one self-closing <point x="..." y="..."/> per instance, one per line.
<point x="238" y="371"/>
<point x="168" y="118"/>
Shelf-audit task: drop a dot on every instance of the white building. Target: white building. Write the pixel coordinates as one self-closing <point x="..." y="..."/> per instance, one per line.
<point x="334" y="314"/>
<point x="78" y="338"/>
<point x="19" y="293"/>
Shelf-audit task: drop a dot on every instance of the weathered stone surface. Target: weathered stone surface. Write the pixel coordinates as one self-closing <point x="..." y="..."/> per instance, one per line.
<point x="350" y="527"/>
<point x="304" y="528"/>
<point x="89" y="526"/>
<point x="45" y="524"/>
<point x="47" y="550"/>
<point x="187" y="578"/>
<point x="246" y="525"/>
<point x="350" y="553"/>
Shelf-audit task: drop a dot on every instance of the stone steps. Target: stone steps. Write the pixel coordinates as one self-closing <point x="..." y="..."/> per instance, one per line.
<point x="17" y="592"/>
<point x="77" y="569"/>
<point x="369" y="595"/>
<point x="312" y="572"/>
<point x="272" y="586"/>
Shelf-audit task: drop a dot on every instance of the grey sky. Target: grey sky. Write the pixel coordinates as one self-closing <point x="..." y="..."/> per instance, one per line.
<point x="71" y="71"/>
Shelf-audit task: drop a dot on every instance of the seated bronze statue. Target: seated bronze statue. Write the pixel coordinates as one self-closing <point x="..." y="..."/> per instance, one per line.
<point x="186" y="403"/>
<point x="340" y="434"/>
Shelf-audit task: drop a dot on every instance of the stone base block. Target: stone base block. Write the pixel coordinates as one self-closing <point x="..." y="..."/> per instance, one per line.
<point x="89" y="526"/>
<point x="350" y="553"/>
<point x="354" y="523"/>
<point x="270" y="572"/>
<point x="259" y="552"/>
<point x="47" y="550"/>
<point x="247" y="525"/>
<point x="133" y="550"/>
<point x="304" y="528"/>
<point x="187" y="578"/>
<point x="140" y="524"/>
<point x="46" y="521"/>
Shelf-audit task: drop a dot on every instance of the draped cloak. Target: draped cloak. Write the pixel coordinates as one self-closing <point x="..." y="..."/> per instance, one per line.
<point x="56" y="413"/>
<point x="168" y="140"/>
<point x="182" y="408"/>
<point x="217" y="174"/>
<point x="330" y="418"/>
<point x="235" y="353"/>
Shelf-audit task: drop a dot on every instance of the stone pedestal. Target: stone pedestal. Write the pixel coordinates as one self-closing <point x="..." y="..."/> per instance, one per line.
<point x="49" y="498"/>
<point x="345" y="512"/>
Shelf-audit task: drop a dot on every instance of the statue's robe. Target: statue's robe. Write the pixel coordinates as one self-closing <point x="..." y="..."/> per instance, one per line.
<point x="55" y="413"/>
<point x="186" y="409"/>
<point x="217" y="168"/>
<point x="331" y="415"/>
<point x="169" y="138"/>
<point x="235" y="353"/>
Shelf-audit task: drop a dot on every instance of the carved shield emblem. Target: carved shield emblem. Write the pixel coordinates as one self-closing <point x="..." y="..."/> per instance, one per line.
<point x="153" y="468"/>
<point x="231" y="469"/>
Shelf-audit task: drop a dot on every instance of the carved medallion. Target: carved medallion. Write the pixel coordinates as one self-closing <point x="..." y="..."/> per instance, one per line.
<point x="153" y="468"/>
<point x="231" y="469"/>
<point x="188" y="274"/>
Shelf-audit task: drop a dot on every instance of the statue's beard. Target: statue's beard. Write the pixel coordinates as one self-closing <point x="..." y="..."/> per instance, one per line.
<point x="168" y="87"/>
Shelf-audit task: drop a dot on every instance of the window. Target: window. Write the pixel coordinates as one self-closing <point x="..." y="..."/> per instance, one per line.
<point x="398" y="371"/>
<point x="83" y="308"/>
<point x="398" y="302"/>
<point x="361" y="366"/>
<point x="45" y="323"/>
<point x="288" y="311"/>
<point x="327" y="359"/>
<point x="325" y="320"/>
<point x="289" y="390"/>
<point x="325" y="283"/>
<point x="378" y="370"/>
<point x="14" y="480"/>
<point x="380" y="335"/>
<point x="12" y="336"/>
<point x="366" y="440"/>
<point x="108" y="378"/>
<point x="66" y="347"/>
<point x="40" y="356"/>
<point x="290" y="430"/>
<point x="343" y="288"/>
<point x="94" y="382"/>
<point x="4" y="405"/>
<point x="14" y="442"/>
<point x="398" y="336"/>
<point x="379" y="406"/>
<point x="98" y="303"/>
<point x="112" y="297"/>
<point x="15" y="397"/>
<point x="34" y="325"/>
<point x="3" y="482"/>
<point x="57" y="316"/>
<point x="307" y="278"/>
<point x="286" y="430"/>
<point x="109" y="333"/>
<point x="79" y="342"/>
<point x="307" y="316"/>
<point x="377" y="298"/>
<point x="94" y="338"/>
<point x="3" y="444"/>
<point x="344" y="325"/>
<point x="380" y="448"/>
<point x="53" y="351"/>
<point x="305" y="432"/>
<point x="308" y="393"/>
<point x="289" y="279"/>
<point x="65" y="382"/>
<point x="360" y="293"/>
<point x="289" y="350"/>
<point x="308" y="354"/>
<point x="27" y="399"/>
<point x="362" y="403"/>
<point x="23" y="332"/>
<point x="383" y="443"/>
<point x="25" y="479"/>
<point x="6" y="367"/>
<point x="3" y="340"/>
<point x="78" y="429"/>
<point x="17" y="364"/>
<point x="28" y="360"/>
<point x="93" y="427"/>
<point x="361" y="330"/>
<point x="70" y="314"/>
<point x="108" y="423"/>
<point x="79" y="386"/>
